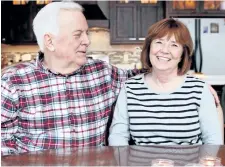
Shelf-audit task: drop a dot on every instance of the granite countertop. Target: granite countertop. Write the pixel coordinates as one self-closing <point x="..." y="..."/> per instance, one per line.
<point x="212" y="79"/>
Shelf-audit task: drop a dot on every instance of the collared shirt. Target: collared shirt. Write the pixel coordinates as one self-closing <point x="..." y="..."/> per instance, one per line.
<point x="42" y="109"/>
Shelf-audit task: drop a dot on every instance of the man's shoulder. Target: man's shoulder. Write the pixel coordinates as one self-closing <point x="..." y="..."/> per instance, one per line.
<point x="96" y="66"/>
<point x="96" y="62"/>
<point x="18" y="68"/>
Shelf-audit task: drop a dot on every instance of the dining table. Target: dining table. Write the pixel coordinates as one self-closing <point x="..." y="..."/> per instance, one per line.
<point x="115" y="156"/>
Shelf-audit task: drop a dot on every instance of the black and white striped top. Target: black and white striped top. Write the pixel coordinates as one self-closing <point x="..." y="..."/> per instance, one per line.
<point x="165" y="118"/>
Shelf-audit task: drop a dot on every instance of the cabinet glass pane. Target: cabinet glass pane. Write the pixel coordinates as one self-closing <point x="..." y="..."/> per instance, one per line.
<point x="184" y="5"/>
<point x="214" y="5"/>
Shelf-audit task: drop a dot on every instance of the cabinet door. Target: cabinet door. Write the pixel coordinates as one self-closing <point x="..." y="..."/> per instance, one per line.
<point x="17" y="22"/>
<point x="182" y="8"/>
<point x="123" y="23"/>
<point x="21" y="26"/>
<point x="6" y="21"/>
<point x="213" y="8"/>
<point x="148" y="14"/>
<point x="194" y="8"/>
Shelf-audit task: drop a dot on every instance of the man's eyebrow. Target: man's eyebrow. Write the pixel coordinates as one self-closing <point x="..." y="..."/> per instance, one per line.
<point x="75" y="31"/>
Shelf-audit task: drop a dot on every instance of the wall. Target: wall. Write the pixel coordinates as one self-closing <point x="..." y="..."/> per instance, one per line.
<point x="123" y="56"/>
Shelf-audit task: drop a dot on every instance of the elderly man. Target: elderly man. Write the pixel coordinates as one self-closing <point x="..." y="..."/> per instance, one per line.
<point x="63" y="99"/>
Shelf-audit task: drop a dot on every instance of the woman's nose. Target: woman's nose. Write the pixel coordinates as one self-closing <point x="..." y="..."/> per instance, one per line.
<point x="165" y="48"/>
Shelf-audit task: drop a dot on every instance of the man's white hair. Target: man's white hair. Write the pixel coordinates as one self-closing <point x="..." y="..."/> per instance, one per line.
<point x="46" y="21"/>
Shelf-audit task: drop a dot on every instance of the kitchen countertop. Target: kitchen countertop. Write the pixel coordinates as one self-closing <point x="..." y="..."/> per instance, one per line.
<point x="212" y="79"/>
<point x="115" y="156"/>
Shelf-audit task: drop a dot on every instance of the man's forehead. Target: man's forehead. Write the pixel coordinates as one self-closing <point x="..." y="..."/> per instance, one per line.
<point x="71" y="15"/>
<point x="73" y="19"/>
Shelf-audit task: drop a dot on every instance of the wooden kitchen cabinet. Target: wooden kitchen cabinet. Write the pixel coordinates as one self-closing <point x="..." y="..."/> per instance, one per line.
<point x="5" y="21"/>
<point x="21" y="21"/>
<point x="195" y="8"/>
<point x="17" y="22"/>
<point x="129" y="22"/>
<point x="123" y="20"/>
<point x="148" y="14"/>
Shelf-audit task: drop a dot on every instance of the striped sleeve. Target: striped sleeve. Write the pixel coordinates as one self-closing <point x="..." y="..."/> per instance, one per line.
<point x="208" y="116"/>
<point x="119" y="130"/>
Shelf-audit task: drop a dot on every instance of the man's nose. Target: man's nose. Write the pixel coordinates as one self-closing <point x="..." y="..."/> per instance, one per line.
<point x="86" y="40"/>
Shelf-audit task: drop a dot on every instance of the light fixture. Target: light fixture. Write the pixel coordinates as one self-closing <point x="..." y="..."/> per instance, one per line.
<point x="20" y="2"/>
<point x="152" y="1"/>
<point x="24" y="2"/>
<point x="124" y="1"/>
<point x="142" y="1"/>
<point x="222" y="7"/>
<point x="43" y="2"/>
<point x="149" y="1"/>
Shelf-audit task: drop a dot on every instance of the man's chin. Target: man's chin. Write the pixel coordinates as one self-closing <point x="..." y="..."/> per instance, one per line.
<point x="82" y="61"/>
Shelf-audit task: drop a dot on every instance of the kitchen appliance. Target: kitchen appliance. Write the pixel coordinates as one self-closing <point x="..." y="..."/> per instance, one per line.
<point x="208" y="35"/>
<point x="223" y="101"/>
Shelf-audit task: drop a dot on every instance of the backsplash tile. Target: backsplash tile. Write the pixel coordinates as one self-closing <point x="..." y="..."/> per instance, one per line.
<point x="122" y="56"/>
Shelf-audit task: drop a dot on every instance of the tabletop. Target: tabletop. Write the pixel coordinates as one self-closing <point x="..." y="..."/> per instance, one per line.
<point x="115" y="156"/>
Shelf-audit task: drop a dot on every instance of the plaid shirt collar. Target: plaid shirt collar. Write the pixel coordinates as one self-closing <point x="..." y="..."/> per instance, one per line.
<point x="40" y="65"/>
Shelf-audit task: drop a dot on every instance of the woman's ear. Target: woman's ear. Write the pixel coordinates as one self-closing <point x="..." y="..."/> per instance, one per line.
<point x="48" y="42"/>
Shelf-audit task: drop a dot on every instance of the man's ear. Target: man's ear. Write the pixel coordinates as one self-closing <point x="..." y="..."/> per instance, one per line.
<point x="48" y="42"/>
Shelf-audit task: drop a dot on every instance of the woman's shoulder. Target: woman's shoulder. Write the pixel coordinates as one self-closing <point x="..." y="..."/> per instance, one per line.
<point x="135" y="79"/>
<point x="194" y="80"/>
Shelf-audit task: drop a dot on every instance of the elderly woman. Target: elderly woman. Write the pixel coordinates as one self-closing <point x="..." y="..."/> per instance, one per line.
<point x="166" y="106"/>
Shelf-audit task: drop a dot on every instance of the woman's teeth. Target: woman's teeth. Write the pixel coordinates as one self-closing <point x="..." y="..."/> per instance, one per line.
<point x="163" y="58"/>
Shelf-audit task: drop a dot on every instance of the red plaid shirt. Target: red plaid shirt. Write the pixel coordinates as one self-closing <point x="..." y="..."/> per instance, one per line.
<point x="45" y="110"/>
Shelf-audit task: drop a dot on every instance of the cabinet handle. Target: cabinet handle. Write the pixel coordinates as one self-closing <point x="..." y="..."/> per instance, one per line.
<point x="141" y="39"/>
<point x="132" y="39"/>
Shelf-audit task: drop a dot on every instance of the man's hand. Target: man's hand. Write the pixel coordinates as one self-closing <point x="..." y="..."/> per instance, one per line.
<point x="216" y="98"/>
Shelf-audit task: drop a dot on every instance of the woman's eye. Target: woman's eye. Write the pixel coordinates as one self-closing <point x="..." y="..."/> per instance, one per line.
<point x="159" y="42"/>
<point x="174" y="45"/>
